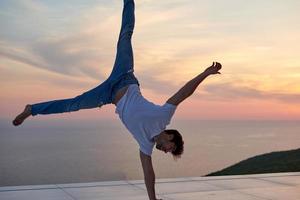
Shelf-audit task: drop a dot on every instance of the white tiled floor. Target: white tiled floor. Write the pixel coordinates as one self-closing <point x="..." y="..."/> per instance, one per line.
<point x="280" y="186"/>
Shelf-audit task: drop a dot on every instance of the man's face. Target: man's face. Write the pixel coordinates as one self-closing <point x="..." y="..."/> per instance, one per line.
<point x="166" y="146"/>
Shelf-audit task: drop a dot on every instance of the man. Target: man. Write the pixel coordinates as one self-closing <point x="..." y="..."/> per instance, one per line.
<point x="146" y="121"/>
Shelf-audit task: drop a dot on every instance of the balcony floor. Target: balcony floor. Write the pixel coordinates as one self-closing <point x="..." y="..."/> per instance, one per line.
<point x="277" y="186"/>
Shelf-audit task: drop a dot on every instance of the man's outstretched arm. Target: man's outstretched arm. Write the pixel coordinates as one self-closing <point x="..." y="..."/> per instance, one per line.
<point x="189" y="88"/>
<point x="149" y="175"/>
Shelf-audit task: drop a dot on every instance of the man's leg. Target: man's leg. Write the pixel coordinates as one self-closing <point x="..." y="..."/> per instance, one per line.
<point x="124" y="59"/>
<point x="93" y="98"/>
<point x="90" y="99"/>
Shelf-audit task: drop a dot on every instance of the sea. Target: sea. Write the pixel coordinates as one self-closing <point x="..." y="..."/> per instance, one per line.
<point x="74" y="151"/>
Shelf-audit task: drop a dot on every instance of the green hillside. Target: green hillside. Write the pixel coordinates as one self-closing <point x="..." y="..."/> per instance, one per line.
<point x="282" y="161"/>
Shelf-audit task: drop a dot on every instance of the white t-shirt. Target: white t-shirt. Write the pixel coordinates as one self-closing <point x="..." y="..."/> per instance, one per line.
<point x="142" y="118"/>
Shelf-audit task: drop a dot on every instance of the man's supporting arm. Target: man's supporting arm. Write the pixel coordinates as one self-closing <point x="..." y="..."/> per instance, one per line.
<point x="189" y="88"/>
<point x="149" y="175"/>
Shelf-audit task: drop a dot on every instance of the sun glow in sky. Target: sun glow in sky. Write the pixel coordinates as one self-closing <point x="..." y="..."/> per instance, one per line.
<point x="51" y="49"/>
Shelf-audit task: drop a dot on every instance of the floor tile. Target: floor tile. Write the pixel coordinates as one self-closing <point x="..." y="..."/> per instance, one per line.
<point x="182" y="186"/>
<point x="92" y="184"/>
<point x="241" y="183"/>
<point x="213" y="195"/>
<point x="27" y="187"/>
<point x="278" y="193"/>
<point x="49" y="194"/>
<point x="105" y="192"/>
<point x="286" y="180"/>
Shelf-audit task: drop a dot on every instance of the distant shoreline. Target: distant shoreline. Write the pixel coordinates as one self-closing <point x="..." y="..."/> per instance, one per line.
<point x="274" y="162"/>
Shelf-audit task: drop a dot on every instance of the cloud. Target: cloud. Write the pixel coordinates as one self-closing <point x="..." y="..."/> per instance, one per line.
<point x="158" y="86"/>
<point x="43" y="36"/>
<point x="53" y="57"/>
<point x="20" y="58"/>
<point x="229" y="92"/>
<point x="22" y="21"/>
<point x="60" y="57"/>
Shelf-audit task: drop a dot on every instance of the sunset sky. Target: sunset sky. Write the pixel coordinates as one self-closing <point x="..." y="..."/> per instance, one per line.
<point x="53" y="49"/>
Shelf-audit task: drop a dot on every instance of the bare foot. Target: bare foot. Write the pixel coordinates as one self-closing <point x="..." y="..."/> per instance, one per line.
<point x="22" y="116"/>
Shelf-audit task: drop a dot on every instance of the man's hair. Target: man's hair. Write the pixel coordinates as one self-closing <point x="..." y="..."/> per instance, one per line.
<point x="177" y="139"/>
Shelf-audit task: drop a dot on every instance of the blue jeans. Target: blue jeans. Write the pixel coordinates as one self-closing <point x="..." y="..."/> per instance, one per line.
<point x="121" y="75"/>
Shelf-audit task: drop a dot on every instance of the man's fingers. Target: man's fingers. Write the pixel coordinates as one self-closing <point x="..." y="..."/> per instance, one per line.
<point x="218" y="66"/>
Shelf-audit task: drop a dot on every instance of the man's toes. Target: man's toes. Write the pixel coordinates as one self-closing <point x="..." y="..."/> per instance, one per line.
<point x="16" y="122"/>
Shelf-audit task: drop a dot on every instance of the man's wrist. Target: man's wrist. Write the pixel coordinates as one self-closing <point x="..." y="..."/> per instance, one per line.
<point x="206" y="73"/>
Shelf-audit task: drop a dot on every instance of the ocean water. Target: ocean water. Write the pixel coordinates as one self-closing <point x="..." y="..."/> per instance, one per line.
<point x="70" y="151"/>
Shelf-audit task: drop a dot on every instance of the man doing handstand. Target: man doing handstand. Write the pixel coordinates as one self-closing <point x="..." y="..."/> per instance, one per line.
<point x="145" y="121"/>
